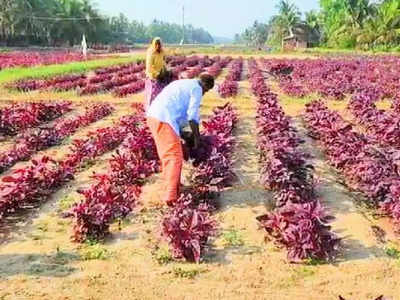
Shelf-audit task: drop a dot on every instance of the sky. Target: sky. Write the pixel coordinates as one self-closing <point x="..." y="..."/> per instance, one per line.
<point x="222" y="18"/>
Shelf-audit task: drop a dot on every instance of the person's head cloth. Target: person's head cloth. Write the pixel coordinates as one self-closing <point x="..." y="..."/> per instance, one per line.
<point x="154" y="43"/>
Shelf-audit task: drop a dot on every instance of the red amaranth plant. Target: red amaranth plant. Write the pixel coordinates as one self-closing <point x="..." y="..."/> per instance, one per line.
<point x="188" y="229"/>
<point x="104" y="203"/>
<point x="43" y="137"/>
<point x="302" y="229"/>
<point x="18" y="117"/>
<point x="228" y="89"/>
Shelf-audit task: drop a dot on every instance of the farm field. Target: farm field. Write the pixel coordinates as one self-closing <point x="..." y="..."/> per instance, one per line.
<point x="296" y="136"/>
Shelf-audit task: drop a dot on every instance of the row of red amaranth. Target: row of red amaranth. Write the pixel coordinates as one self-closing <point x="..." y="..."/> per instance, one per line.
<point x="116" y="77"/>
<point x="384" y="126"/>
<point x="299" y="221"/>
<point x="365" y="167"/>
<point x="197" y="66"/>
<point x="335" y="78"/>
<point x="17" y="117"/>
<point x="230" y="87"/>
<point x="121" y="80"/>
<point x="35" y="182"/>
<point x="36" y="139"/>
<point x="219" y="63"/>
<point x="116" y="193"/>
<point x="29" y="58"/>
<point x="188" y="226"/>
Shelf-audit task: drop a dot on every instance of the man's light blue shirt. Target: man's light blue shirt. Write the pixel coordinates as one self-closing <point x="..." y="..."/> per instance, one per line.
<point x="178" y="104"/>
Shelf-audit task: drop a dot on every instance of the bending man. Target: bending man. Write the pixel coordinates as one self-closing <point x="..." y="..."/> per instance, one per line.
<point x="177" y="106"/>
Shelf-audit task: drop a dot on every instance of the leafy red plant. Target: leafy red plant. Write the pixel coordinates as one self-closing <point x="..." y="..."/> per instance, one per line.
<point x="104" y="203"/>
<point x="18" y="117"/>
<point x="302" y="229"/>
<point x="188" y="229"/>
<point x="43" y="137"/>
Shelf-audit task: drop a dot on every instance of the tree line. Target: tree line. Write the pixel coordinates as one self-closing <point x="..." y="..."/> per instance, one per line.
<point x="63" y="22"/>
<point x="363" y="24"/>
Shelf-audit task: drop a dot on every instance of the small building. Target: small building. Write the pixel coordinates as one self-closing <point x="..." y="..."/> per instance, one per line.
<point x="301" y="37"/>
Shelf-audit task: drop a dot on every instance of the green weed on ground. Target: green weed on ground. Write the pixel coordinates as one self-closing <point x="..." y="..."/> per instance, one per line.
<point x="93" y="251"/>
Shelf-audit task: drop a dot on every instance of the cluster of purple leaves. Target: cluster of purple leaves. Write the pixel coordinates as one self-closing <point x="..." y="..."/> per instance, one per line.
<point x="215" y="70"/>
<point x="176" y="71"/>
<point x="383" y="126"/>
<point x="133" y="68"/>
<point x="299" y="222"/>
<point x="334" y="78"/>
<point x="111" y="84"/>
<point x="188" y="225"/>
<point x="121" y="86"/>
<point x="18" y="117"/>
<point x="302" y="229"/>
<point x="104" y="202"/>
<point x="196" y="65"/>
<point x="291" y="88"/>
<point x="236" y="68"/>
<point x="105" y="80"/>
<point x="366" y="168"/>
<point x="31" y="141"/>
<point x="219" y="63"/>
<point x="191" y="61"/>
<point x="174" y="61"/>
<point x="129" y="89"/>
<point x="396" y="103"/>
<point x="63" y="82"/>
<point x="193" y="66"/>
<point x="100" y="78"/>
<point x="194" y="72"/>
<point x="228" y="88"/>
<point x="27" y="59"/>
<point x="188" y="229"/>
<point x="115" y="194"/>
<point x="35" y="182"/>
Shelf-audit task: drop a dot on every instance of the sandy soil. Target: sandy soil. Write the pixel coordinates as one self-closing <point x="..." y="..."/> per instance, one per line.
<point x="38" y="260"/>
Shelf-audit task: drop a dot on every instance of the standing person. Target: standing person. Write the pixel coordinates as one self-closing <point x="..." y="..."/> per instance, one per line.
<point x="155" y="67"/>
<point x="177" y="106"/>
<point x="84" y="47"/>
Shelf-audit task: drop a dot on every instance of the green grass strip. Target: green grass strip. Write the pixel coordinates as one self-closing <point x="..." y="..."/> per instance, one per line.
<point x="14" y="74"/>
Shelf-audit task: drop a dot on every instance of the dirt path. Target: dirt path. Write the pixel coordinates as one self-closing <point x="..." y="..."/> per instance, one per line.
<point x="359" y="241"/>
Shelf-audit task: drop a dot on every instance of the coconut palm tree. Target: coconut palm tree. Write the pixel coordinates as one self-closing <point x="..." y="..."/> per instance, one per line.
<point x="384" y="28"/>
<point x="288" y="17"/>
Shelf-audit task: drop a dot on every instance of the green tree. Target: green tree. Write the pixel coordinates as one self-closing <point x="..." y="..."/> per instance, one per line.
<point x="288" y="17"/>
<point x="384" y="28"/>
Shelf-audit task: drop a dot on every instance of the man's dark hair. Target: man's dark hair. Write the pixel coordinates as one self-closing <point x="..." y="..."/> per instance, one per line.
<point x="207" y="81"/>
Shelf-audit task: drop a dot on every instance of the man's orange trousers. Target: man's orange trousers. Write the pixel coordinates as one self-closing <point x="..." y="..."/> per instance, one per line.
<point x="170" y="152"/>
